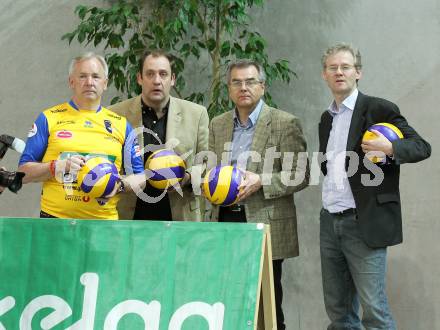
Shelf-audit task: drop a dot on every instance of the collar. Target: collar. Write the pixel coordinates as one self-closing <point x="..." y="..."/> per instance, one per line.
<point x="349" y="103"/>
<point x="253" y="117"/>
<point x="146" y="107"/>
<point x="73" y="105"/>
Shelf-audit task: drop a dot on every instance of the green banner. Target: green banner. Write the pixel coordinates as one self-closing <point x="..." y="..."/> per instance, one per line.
<point x="128" y="275"/>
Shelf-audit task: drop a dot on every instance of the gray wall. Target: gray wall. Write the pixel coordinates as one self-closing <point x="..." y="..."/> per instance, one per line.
<point x="400" y="43"/>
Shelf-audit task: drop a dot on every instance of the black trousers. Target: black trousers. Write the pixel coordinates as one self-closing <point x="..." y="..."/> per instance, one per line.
<point x="45" y="215"/>
<point x="160" y="210"/>
<point x="237" y="214"/>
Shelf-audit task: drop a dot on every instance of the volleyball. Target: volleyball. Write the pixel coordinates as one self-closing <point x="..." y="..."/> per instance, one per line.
<point x="390" y="131"/>
<point x="221" y="184"/>
<point x="98" y="177"/>
<point x="167" y="168"/>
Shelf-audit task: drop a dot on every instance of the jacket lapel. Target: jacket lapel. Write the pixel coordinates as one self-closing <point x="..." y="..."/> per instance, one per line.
<point x="357" y="123"/>
<point x="225" y="130"/>
<point x="261" y="134"/>
<point x="325" y="127"/>
<point x="135" y="112"/>
<point x="173" y="123"/>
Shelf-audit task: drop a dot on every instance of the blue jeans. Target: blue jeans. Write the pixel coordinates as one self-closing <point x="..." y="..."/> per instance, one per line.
<point x="353" y="274"/>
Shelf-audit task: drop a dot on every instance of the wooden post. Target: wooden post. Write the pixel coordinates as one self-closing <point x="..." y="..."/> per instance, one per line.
<point x="265" y="314"/>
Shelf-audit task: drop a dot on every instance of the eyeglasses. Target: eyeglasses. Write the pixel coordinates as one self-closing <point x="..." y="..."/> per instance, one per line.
<point x="250" y="83"/>
<point x="335" y="68"/>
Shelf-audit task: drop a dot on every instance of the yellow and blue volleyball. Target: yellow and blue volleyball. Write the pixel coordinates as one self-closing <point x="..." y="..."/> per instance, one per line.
<point x="391" y="132"/>
<point x="221" y="184"/>
<point x="98" y="177"/>
<point x="166" y="168"/>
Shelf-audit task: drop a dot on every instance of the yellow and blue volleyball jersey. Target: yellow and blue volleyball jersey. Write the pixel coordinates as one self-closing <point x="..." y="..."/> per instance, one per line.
<point x="63" y="131"/>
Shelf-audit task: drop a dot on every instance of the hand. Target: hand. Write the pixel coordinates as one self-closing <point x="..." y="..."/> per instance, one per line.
<point x="381" y="143"/>
<point x="202" y="190"/>
<point x="106" y="198"/>
<point x="69" y="165"/>
<point x="249" y="185"/>
<point x="185" y="181"/>
<point x="1" y="187"/>
<point x="115" y="190"/>
<point x="134" y="182"/>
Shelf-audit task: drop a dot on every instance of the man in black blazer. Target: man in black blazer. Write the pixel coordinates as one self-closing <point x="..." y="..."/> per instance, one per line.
<point x="361" y="212"/>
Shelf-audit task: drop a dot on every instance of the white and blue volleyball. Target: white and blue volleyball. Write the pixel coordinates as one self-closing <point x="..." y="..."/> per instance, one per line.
<point x="165" y="168"/>
<point x="98" y="177"/>
<point x="221" y="184"/>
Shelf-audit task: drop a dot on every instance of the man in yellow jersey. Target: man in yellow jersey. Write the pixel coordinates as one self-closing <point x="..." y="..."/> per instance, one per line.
<point x="64" y="136"/>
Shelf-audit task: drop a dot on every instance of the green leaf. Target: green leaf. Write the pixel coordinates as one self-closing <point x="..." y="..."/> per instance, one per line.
<point x="81" y="36"/>
<point x="69" y="36"/>
<point x="195" y="51"/>
<point x="81" y="11"/>
<point x="132" y="59"/>
<point x="185" y="49"/>
<point x="115" y="100"/>
<point x="177" y="26"/>
<point x="98" y="39"/>
<point x="225" y="48"/>
<point x="210" y="44"/>
<point x="183" y="18"/>
<point x="180" y="83"/>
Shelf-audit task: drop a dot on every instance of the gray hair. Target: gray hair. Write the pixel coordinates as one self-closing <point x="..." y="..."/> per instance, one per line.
<point x="243" y="64"/>
<point x="88" y="56"/>
<point x="342" y="47"/>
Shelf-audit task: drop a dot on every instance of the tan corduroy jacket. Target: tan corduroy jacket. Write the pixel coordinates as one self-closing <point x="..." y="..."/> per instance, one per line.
<point x="187" y="133"/>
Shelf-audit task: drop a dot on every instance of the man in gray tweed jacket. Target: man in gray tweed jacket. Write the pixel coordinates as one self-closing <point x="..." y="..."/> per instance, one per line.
<point x="266" y="193"/>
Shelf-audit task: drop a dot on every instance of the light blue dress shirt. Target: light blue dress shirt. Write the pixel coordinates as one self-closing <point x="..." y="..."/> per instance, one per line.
<point x="336" y="192"/>
<point x="243" y="135"/>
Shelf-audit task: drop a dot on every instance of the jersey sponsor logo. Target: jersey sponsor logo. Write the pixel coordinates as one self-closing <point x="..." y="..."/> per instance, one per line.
<point x="75" y="198"/>
<point x="69" y="186"/>
<point x="88" y="124"/>
<point x="137" y="150"/>
<point x="108" y="125"/>
<point x="58" y="110"/>
<point x="33" y="130"/>
<point x="64" y="122"/>
<point x="64" y="134"/>
<point x="114" y="116"/>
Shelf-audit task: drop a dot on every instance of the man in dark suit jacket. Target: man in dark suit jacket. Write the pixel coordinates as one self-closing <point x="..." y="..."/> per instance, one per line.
<point x="361" y="212"/>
